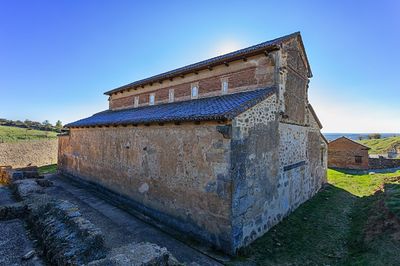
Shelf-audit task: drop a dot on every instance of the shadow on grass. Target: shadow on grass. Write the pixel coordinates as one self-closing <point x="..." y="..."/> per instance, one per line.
<point x="375" y="233"/>
<point x="366" y="172"/>
<point x="329" y="229"/>
<point x="392" y="199"/>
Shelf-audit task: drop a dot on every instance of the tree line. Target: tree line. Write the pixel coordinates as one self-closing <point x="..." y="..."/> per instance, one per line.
<point x="45" y="125"/>
<point x="371" y="136"/>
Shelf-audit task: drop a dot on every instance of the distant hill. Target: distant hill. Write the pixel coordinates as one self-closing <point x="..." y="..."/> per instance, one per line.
<point x="13" y="134"/>
<point x="380" y="146"/>
<point x="356" y="136"/>
<point x="46" y="125"/>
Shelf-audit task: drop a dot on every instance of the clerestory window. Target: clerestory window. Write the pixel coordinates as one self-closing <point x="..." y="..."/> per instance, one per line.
<point x="152" y="98"/>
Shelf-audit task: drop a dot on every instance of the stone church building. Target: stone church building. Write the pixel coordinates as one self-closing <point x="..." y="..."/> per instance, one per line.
<point x="221" y="150"/>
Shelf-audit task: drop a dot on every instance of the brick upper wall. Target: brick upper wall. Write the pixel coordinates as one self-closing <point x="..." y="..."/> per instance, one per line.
<point x="258" y="72"/>
<point x="295" y="84"/>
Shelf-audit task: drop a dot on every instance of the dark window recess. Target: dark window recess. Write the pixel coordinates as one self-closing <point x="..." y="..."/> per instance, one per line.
<point x="358" y="159"/>
<point x="322" y="156"/>
<point x="292" y="166"/>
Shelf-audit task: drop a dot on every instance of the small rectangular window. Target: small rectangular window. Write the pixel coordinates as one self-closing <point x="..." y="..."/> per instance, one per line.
<point x="224" y="86"/>
<point x="152" y="98"/>
<point x="171" y="95"/>
<point x="195" y="92"/>
<point x="358" y="159"/>
<point x="136" y="101"/>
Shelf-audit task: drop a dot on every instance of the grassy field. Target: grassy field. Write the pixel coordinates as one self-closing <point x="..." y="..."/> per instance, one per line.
<point x="346" y="223"/>
<point x="13" y="134"/>
<point x="48" y="169"/>
<point x="380" y="146"/>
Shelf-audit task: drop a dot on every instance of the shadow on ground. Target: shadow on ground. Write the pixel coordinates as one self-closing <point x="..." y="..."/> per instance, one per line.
<point x="366" y="172"/>
<point x="333" y="228"/>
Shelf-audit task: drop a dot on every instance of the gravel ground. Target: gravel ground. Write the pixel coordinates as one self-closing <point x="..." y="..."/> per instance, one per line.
<point x="14" y="239"/>
<point x="14" y="244"/>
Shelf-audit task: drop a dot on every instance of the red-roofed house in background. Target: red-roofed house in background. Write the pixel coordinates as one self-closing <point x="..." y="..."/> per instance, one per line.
<point x="344" y="153"/>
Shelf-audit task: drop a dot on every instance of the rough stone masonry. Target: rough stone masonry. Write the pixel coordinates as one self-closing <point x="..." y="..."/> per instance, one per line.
<point x="221" y="150"/>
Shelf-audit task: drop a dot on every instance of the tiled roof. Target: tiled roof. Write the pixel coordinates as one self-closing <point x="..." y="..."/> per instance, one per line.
<point x="252" y="50"/>
<point x="350" y="140"/>
<point x="205" y="109"/>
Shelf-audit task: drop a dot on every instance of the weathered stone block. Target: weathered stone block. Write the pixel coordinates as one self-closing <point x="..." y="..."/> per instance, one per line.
<point x="17" y="175"/>
<point x="27" y="187"/>
<point x="44" y="182"/>
<point x="67" y="237"/>
<point x="13" y="211"/>
<point x="141" y="254"/>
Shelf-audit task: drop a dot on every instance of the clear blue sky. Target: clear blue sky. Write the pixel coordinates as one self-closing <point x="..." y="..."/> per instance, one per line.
<point x="58" y="57"/>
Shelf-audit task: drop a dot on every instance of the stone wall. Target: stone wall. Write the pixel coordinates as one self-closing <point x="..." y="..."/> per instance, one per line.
<point x="254" y="158"/>
<point x="256" y="72"/>
<point x="27" y="153"/>
<point x="279" y="161"/>
<point x="383" y="163"/>
<point x="317" y="152"/>
<point x="175" y="173"/>
<point x="275" y="167"/>
<point x="302" y="169"/>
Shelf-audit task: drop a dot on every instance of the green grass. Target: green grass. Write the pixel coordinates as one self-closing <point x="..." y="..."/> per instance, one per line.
<point x="392" y="199"/>
<point x="329" y="228"/>
<point x="14" y="134"/>
<point x="380" y="146"/>
<point x="362" y="184"/>
<point x="48" y="169"/>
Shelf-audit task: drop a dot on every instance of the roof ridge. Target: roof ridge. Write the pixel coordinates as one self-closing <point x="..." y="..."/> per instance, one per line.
<point x="344" y="137"/>
<point x="235" y="55"/>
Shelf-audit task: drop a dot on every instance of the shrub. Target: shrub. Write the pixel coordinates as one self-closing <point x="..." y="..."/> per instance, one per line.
<point x="374" y="136"/>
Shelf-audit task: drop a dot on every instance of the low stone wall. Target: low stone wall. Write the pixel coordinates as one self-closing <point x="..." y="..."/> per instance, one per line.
<point x="26" y="153"/>
<point x="9" y="175"/>
<point x="67" y="238"/>
<point x="383" y="163"/>
<point x="13" y="211"/>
